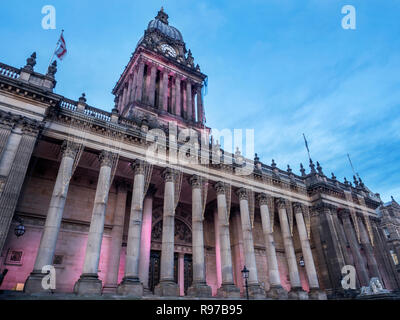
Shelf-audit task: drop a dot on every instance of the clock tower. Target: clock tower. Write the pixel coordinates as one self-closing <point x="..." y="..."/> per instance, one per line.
<point x="161" y="82"/>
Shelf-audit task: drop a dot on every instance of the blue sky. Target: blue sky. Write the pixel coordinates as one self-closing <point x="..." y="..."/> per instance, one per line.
<point x="282" y="67"/>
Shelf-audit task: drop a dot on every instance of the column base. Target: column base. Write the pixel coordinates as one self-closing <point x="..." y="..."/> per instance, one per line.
<point x="88" y="284"/>
<point x="167" y="289"/>
<point x="110" y="289"/>
<point x="255" y="291"/>
<point x="277" y="293"/>
<point x="228" y="290"/>
<point x="317" y="294"/>
<point x="33" y="283"/>
<point x="297" y="293"/>
<point x="200" y="289"/>
<point x="130" y="287"/>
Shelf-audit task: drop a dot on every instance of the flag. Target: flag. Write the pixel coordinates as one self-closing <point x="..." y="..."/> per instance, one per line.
<point x="61" y="50"/>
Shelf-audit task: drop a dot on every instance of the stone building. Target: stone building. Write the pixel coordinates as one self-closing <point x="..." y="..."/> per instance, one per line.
<point x="114" y="218"/>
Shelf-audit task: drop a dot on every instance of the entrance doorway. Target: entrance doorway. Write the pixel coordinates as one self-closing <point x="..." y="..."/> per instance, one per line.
<point x="155" y="265"/>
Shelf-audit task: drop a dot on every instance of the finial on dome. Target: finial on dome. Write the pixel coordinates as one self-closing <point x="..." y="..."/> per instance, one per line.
<point x="162" y="16"/>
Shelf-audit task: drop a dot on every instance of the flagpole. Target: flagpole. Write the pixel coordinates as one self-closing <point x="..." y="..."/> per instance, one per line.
<point x="351" y="164"/>
<point x="308" y="151"/>
<point x="54" y="52"/>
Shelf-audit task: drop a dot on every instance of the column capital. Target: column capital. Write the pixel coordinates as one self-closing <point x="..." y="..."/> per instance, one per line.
<point x="169" y="174"/>
<point x="344" y="214"/>
<point x="281" y="203"/>
<point x="262" y="199"/>
<point x="195" y="181"/>
<point x="297" y="206"/>
<point x="106" y="158"/>
<point x="138" y="166"/>
<point x="220" y="187"/>
<point x="242" y="194"/>
<point x="69" y="149"/>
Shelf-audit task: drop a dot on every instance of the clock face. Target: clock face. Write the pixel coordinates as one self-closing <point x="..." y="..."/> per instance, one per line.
<point x="166" y="48"/>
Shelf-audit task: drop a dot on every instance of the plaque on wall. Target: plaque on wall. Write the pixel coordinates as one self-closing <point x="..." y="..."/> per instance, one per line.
<point x="14" y="257"/>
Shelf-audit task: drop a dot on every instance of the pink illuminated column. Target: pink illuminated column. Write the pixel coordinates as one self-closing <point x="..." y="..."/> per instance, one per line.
<point x="139" y="87"/>
<point x="164" y="91"/>
<point x="189" y="107"/>
<point x="130" y="84"/>
<point x="181" y="274"/>
<point x="145" y="242"/>
<point x="152" y="84"/>
<point x="217" y="249"/>
<point x="178" y="96"/>
<point x="111" y="282"/>
<point x="134" y="85"/>
<point x="199" y="105"/>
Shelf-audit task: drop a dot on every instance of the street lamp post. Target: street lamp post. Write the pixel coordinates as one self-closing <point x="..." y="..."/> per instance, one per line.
<point x="245" y="274"/>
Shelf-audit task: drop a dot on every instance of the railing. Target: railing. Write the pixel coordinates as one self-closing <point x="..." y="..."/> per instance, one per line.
<point x="8" y="71"/>
<point x="97" y="113"/>
<point x="68" y="104"/>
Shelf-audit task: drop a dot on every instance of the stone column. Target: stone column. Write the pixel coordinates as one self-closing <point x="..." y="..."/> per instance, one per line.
<point x="89" y="283"/>
<point x="130" y="84"/>
<point x="145" y="242"/>
<point x="167" y="285"/>
<point x="52" y="225"/>
<point x="217" y="249"/>
<point x="10" y="151"/>
<point x="12" y="185"/>
<point x="111" y="282"/>
<point x="369" y="252"/>
<point x="228" y="288"/>
<point x="151" y="89"/>
<point x="134" y="85"/>
<point x="296" y="291"/>
<point x="178" y="95"/>
<point x="199" y="105"/>
<point x="164" y="91"/>
<point x="189" y="100"/>
<point x="354" y="247"/>
<point x="140" y="76"/>
<point x="315" y="292"/>
<point x="199" y="287"/>
<point x="131" y="284"/>
<point x="276" y="290"/>
<point x="255" y="290"/>
<point x="6" y="125"/>
<point x="181" y="273"/>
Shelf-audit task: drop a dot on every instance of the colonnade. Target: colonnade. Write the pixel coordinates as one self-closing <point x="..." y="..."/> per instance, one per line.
<point x="164" y="89"/>
<point x="135" y="278"/>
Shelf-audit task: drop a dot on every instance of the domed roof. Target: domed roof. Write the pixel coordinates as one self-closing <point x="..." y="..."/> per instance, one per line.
<point x="161" y="23"/>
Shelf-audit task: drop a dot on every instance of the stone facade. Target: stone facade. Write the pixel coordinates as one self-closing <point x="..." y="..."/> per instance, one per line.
<point x="111" y="220"/>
